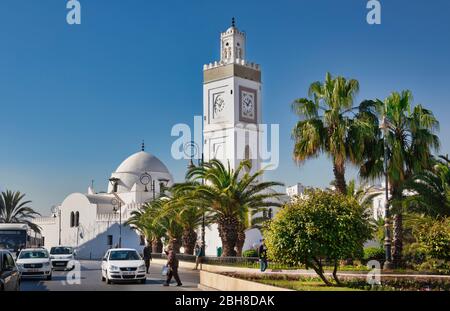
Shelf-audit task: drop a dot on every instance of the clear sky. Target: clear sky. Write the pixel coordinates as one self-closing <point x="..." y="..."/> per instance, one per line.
<point x="75" y="101"/>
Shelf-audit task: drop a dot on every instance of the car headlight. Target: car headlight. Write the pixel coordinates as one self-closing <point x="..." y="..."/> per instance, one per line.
<point x="114" y="268"/>
<point x="52" y="257"/>
<point x="142" y="268"/>
<point x="46" y="264"/>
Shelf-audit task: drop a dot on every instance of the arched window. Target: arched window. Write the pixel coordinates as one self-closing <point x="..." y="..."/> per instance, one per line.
<point x="72" y="219"/>
<point x="77" y="219"/>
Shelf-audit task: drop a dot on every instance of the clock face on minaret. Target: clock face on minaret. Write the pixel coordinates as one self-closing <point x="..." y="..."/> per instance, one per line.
<point x="247" y="105"/>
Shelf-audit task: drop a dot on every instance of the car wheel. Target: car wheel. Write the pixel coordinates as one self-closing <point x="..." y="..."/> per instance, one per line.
<point x="143" y="281"/>
<point x="103" y="279"/>
<point x="108" y="281"/>
<point x="49" y="277"/>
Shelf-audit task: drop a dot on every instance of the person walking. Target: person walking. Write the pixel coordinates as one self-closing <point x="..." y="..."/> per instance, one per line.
<point x="172" y="265"/>
<point x="197" y="253"/>
<point x="147" y="256"/>
<point x="262" y="256"/>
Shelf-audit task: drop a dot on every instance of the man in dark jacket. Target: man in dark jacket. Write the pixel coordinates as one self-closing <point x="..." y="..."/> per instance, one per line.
<point x="147" y="255"/>
<point x="172" y="264"/>
<point x="262" y="252"/>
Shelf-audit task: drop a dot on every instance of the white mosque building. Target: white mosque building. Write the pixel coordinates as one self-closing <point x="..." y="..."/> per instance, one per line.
<point x="90" y="221"/>
<point x="232" y="105"/>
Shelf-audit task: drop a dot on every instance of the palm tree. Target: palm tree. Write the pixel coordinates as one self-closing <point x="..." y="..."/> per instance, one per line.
<point x="330" y="123"/>
<point x="228" y="195"/>
<point x="167" y="219"/>
<point x="14" y="210"/>
<point x="410" y="141"/>
<point x="431" y="190"/>
<point x="143" y="220"/>
<point x="251" y="221"/>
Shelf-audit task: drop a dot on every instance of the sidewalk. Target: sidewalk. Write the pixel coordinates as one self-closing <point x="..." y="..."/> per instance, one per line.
<point x="304" y="272"/>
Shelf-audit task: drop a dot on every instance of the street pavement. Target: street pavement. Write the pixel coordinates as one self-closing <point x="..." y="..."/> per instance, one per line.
<point x="89" y="279"/>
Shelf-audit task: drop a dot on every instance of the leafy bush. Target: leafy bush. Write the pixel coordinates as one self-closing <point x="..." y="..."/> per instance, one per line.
<point x="414" y="254"/>
<point x="435" y="238"/>
<point x="250" y="253"/>
<point x="324" y="225"/>
<point x="373" y="253"/>
<point x="435" y="266"/>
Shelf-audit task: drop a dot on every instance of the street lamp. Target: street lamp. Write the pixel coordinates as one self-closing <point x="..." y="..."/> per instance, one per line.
<point x="385" y="126"/>
<point x="56" y="211"/>
<point x="117" y="206"/>
<point x="194" y="150"/>
<point x="146" y="179"/>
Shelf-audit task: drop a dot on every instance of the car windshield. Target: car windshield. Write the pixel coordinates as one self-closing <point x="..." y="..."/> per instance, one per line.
<point x="33" y="254"/>
<point x="124" y="255"/>
<point x="61" y="250"/>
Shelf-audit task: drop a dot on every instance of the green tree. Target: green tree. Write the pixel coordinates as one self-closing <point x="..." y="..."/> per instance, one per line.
<point x="143" y="220"/>
<point x="325" y="225"/>
<point x="410" y="141"/>
<point x="228" y="195"/>
<point x="188" y="211"/>
<point x="431" y="190"/>
<point x="435" y="238"/>
<point x="251" y="221"/>
<point x="330" y="123"/>
<point x="13" y="209"/>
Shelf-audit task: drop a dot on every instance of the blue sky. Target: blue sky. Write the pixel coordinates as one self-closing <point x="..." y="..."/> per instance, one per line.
<point x="77" y="100"/>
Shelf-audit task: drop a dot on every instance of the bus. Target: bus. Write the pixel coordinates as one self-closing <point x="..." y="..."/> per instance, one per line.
<point x="16" y="236"/>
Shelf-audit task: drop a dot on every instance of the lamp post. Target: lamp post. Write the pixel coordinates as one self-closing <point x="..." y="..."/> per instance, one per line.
<point x="385" y="127"/>
<point x="116" y="203"/>
<point x="56" y="211"/>
<point x="193" y="152"/>
<point x="146" y="179"/>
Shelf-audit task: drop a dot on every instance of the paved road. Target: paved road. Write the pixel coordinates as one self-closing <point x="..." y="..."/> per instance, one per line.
<point x="90" y="280"/>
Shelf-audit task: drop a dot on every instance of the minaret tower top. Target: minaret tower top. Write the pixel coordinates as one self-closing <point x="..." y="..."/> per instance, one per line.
<point x="233" y="57"/>
<point x="232" y="45"/>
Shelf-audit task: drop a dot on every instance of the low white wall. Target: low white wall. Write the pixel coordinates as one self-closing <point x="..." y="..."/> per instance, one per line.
<point x="228" y="283"/>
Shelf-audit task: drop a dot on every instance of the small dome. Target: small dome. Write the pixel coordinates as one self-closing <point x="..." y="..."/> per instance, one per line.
<point x="142" y="162"/>
<point x="132" y="168"/>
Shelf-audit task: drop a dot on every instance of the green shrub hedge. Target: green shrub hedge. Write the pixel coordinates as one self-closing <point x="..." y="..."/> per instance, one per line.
<point x="250" y="253"/>
<point x="373" y="253"/>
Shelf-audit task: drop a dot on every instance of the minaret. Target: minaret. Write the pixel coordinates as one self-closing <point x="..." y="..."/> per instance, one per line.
<point x="232" y="103"/>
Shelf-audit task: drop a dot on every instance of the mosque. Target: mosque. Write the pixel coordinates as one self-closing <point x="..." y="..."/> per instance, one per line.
<point x="231" y="101"/>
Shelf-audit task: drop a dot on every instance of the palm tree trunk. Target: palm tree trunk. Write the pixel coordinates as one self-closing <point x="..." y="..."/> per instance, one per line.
<point x="228" y="228"/>
<point x="397" y="239"/>
<point x="189" y="239"/>
<point x="240" y="241"/>
<point x="175" y="244"/>
<point x="157" y="246"/>
<point x="339" y="176"/>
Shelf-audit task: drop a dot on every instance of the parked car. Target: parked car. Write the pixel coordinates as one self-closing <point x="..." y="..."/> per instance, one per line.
<point x="123" y="264"/>
<point x="9" y="273"/>
<point x="62" y="257"/>
<point x="34" y="262"/>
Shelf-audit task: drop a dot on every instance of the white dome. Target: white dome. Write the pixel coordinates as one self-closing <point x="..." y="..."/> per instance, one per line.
<point x="142" y="162"/>
<point x="132" y="168"/>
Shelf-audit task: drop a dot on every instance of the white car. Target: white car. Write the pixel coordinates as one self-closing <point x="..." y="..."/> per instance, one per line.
<point x="34" y="262"/>
<point x="62" y="257"/>
<point x="123" y="264"/>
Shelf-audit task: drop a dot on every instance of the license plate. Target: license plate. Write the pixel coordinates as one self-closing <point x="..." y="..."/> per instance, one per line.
<point x="60" y="264"/>
<point x="128" y="273"/>
<point x="33" y="270"/>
